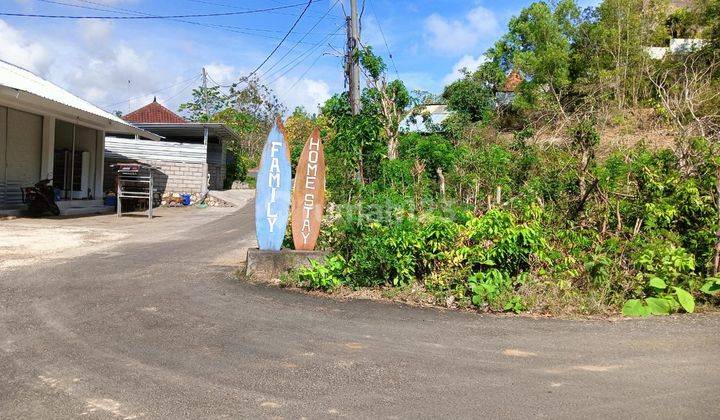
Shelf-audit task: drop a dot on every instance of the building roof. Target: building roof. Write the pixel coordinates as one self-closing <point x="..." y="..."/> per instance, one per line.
<point x="512" y="81"/>
<point x="418" y="120"/>
<point x="25" y="90"/>
<point x="190" y="129"/>
<point x="154" y="113"/>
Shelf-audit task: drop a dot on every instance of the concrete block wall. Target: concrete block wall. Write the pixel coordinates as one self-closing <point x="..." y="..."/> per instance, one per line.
<point x="172" y="177"/>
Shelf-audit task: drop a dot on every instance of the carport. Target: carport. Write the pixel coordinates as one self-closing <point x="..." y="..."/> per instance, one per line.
<point x="47" y="132"/>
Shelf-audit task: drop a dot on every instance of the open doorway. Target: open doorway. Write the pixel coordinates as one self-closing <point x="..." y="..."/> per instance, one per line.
<point x="74" y="161"/>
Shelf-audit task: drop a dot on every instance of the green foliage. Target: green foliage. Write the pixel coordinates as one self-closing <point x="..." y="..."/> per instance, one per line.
<point x="249" y="108"/>
<point x="354" y="146"/>
<point x="474" y="95"/>
<point x="494" y="248"/>
<point x="434" y="151"/>
<point x="371" y="62"/>
<point x="210" y="99"/>
<point x="538" y="44"/>
<point x="584" y="135"/>
<point x="478" y="219"/>
<point x="326" y="276"/>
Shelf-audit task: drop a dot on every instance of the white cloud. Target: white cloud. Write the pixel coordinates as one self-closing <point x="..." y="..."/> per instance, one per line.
<point x="457" y="36"/>
<point x="96" y="63"/>
<point x="17" y="48"/>
<point x="467" y="62"/>
<point x="372" y="35"/>
<point x="92" y="66"/>
<point x="291" y="91"/>
<point x="96" y="32"/>
<point x="308" y="93"/>
<point x="223" y="74"/>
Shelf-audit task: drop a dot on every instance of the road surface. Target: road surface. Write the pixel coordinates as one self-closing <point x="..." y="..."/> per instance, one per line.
<point x="165" y="330"/>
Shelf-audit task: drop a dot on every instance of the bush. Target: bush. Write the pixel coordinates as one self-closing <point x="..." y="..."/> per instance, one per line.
<point x="641" y="240"/>
<point x="327" y="276"/>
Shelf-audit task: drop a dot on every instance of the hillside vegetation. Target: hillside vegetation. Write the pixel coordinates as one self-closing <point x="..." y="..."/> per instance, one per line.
<point x="593" y="188"/>
<point x="575" y="174"/>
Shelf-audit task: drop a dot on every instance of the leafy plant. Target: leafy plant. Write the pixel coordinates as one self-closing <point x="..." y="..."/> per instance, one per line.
<point x="325" y="276"/>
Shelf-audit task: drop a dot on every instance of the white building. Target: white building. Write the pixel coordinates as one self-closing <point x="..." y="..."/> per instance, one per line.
<point x="48" y="133"/>
<point x="425" y="119"/>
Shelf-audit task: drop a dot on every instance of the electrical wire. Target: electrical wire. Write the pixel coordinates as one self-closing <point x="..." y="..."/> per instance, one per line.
<point x="201" y="15"/>
<point x="283" y="39"/>
<point x="301" y="39"/>
<point x="227" y="28"/>
<point x="179" y="92"/>
<point x="306" y="71"/>
<point x="191" y="80"/>
<point x="382" y="33"/>
<point x="114" y="9"/>
<point x="213" y="3"/>
<point x="298" y="60"/>
<point x="300" y="57"/>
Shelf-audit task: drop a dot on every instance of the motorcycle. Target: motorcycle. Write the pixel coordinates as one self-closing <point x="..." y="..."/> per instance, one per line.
<point x="40" y="198"/>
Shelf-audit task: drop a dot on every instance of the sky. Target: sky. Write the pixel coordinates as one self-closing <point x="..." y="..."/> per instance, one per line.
<point x="120" y="65"/>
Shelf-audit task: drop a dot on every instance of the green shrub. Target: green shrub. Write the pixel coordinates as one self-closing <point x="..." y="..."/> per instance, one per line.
<point x="327" y="276"/>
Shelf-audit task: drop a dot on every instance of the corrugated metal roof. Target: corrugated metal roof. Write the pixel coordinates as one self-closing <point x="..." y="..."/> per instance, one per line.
<point x="146" y="150"/>
<point x="219" y="130"/>
<point x="21" y="80"/>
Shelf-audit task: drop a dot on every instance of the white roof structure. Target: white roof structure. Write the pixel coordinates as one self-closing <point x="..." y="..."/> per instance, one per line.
<point x="417" y="121"/>
<point x="24" y="90"/>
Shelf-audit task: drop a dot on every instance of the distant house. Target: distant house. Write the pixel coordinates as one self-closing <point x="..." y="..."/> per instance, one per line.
<point x="425" y="118"/>
<point x="429" y="118"/>
<point x="47" y="132"/>
<point x="505" y="95"/>
<point x="190" y="157"/>
<point x="677" y="46"/>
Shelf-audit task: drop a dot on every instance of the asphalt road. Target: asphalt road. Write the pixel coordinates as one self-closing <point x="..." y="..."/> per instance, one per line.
<point x="159" y="331"/>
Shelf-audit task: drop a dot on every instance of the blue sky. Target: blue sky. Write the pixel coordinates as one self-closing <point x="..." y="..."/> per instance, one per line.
<point x="122" y="64"/>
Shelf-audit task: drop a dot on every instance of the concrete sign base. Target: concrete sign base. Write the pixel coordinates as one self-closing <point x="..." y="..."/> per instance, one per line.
<point x="266" y="265"/>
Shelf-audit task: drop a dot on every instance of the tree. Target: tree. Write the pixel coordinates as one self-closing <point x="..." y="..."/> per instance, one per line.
<point x="298" y="128"/>
<point x="538" y="44"/>
<point x="354" y="145"/>
<point x="392" y="98"/>
<point x="622" y="32"/>
<point x="474" y="94"/>
<point x="249" y="108"/>
<point x="212" y="97"/>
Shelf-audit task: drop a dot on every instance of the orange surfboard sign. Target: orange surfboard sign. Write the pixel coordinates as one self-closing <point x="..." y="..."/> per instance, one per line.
<point x="309" y="194"/>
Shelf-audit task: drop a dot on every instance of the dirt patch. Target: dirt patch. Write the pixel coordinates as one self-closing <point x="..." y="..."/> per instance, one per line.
<point x="32" y="241"/>
<point x="25" y="244"/>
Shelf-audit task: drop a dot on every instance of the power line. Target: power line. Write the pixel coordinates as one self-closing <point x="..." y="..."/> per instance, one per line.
<point x="191" y="80"/>
<point x="382" y="33"/>
<point x="227" y="28"/>
<point x="114" y="9"/>
<point x="300" y="58"/>
<point x="303" y="37"/>
<point x="244" y="12"/>
<point x="283" y="39"/>
<point x="212" y="80"/>
<point x="307" y="70"/>
<point x="180" y="92"/>
<point x="235" y="7"/>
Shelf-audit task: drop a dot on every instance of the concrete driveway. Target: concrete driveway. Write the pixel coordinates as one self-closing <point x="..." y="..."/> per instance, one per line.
<point x="163" y="329"/>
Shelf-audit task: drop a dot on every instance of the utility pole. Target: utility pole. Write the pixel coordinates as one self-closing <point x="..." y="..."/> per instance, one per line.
<point x="205" y="93"/>
<point x="353" y="66"/>
<point x="205" y="183"/>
